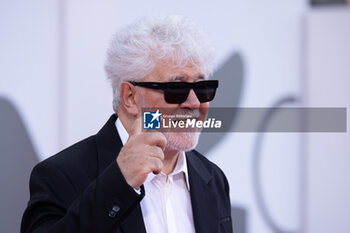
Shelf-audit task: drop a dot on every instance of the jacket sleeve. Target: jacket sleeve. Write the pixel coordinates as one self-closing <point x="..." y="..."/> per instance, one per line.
<point x="55" y="205"/>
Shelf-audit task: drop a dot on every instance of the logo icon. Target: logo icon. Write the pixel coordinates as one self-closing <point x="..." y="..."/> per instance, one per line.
<point x="151" y="120"/>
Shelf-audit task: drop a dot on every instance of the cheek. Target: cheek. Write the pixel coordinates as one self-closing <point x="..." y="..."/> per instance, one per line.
<point x="204" y="109"/>
<point x="204" y="105"/>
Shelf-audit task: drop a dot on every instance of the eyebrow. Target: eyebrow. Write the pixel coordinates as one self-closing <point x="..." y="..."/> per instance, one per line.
<point x="182" y="78"/>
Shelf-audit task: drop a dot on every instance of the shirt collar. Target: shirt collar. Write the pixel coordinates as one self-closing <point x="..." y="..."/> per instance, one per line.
<point x="123" y="134"/>
<point x="181" y="164"/>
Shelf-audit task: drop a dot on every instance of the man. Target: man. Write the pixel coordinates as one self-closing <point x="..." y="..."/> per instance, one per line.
<point x="123" y="179"/>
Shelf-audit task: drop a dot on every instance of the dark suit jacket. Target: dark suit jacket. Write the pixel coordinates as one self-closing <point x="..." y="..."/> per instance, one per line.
<point x="81" y="190"/>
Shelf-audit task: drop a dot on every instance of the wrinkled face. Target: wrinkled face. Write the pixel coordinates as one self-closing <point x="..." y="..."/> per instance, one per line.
<point x="179" y="141"/>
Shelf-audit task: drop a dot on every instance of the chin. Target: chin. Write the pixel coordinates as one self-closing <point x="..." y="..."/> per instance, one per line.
<point x="181" y="141"/>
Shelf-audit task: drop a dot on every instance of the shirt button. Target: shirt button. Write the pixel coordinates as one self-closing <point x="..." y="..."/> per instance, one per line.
<point x="113" y="212"/>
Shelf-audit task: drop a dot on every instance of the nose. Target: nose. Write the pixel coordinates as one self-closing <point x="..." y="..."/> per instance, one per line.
<point x="191" y="101"/>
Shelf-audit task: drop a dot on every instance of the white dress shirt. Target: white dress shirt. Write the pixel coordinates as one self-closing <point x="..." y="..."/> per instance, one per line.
<point x="166" y="207"/>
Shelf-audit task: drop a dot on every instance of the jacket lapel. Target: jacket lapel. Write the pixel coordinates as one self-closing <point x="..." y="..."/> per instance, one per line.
<point x="202" y="198"/>
<point x="108" y="144"/>
<point x="108" y="147"/>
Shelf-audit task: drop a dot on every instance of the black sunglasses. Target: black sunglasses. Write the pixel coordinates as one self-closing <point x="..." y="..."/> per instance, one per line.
<point x="177" y="92"/>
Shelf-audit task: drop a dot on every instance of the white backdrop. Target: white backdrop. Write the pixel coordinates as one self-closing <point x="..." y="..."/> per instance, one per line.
<point x="327" y="84"/>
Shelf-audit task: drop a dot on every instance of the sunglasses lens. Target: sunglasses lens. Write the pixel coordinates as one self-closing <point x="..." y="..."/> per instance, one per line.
<point x="205" y="90"/>
<point x="176" y="94"/>
<point x="205" y="94"/>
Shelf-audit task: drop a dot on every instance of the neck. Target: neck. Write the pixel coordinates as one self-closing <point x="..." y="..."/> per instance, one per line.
<point x="170" y="160"/>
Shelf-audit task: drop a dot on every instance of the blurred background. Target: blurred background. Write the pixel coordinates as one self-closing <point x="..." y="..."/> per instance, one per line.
<point x="53" y="93"/>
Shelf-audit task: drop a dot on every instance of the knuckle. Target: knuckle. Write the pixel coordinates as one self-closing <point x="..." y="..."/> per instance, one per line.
<point x="157" y="151"/>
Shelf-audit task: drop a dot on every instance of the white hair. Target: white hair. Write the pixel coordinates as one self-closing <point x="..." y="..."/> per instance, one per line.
<point x="136" y="49"/>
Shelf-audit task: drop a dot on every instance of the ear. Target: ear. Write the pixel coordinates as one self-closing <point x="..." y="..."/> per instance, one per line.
<point x="129" y="98"/>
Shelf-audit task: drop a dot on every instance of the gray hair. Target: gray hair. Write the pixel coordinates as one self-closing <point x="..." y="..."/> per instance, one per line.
<point x="136" y="49"/>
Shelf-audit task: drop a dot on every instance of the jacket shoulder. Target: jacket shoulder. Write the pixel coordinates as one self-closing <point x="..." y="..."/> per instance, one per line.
<point x="77" y="162"/>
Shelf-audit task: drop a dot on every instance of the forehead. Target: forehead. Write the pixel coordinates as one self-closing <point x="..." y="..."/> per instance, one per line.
<point x="171" y="72"/>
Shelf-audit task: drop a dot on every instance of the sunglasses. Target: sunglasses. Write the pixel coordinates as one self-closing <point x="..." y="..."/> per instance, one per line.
<point x="177" y="92"/>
